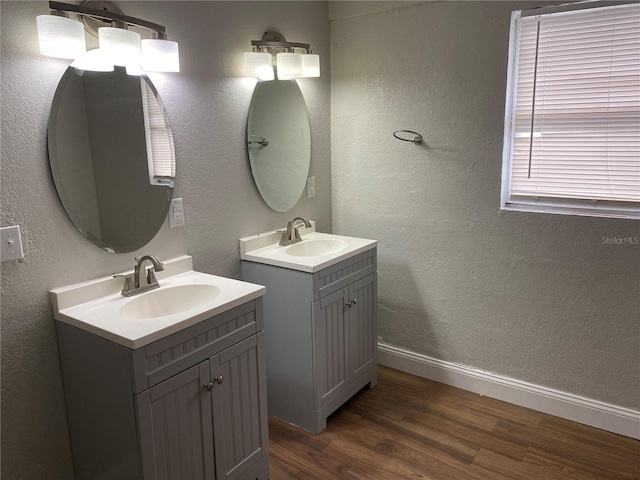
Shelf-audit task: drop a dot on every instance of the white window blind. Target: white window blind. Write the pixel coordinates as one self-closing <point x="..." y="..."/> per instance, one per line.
<point x="572" y="127"/>
<point x="160" y="150"/>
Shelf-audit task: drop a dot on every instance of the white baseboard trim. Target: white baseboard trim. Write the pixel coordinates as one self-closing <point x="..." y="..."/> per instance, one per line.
<point x="594" y="413"/>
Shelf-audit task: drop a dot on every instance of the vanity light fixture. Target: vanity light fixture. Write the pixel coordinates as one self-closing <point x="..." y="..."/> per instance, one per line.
<point x="289" y="65"/>
<point x="292" y="59"/>
<point x="63" y="37"/>
<point x="258" y="65"/>
<point x="159" y="55"/>
<point x="121" y="47"/>
<point x="311" y="65"/>
<point x="94" y="60"/>
<point x="60" y="36"/>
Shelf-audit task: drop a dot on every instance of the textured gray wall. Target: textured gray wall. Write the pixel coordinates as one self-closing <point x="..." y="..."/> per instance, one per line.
<point x="535" y="297"/>
<point x="207" y="104"/>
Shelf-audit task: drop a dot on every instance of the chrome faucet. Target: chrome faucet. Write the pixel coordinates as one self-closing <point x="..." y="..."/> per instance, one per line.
<point x="291" y="235"/>
<point x="141" y="280"/>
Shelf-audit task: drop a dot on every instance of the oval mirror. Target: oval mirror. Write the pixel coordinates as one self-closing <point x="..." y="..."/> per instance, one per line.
<point x="112" y="157"/>
<point x="279" y="142"/>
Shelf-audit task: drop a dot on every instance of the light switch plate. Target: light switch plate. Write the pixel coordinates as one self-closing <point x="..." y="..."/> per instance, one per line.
<point x="176" y="213"/>
<point x="11" y="243"/>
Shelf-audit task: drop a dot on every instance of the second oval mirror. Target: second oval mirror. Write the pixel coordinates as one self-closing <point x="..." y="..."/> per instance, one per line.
<point x="279" y="142"/>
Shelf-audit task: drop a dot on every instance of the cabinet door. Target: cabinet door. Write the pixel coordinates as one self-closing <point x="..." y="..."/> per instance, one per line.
<point x="175" y="427"/>
<point x="362" y="298"/>
<point x="330" y="346"/>
<point x="239" y="402"/>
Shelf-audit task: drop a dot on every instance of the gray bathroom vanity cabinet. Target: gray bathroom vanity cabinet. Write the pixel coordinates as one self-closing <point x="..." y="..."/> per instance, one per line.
<point x="320" y="336"/>
<point x="189" y="405"/>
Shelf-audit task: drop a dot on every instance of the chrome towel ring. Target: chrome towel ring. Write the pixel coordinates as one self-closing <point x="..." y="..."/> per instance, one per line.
<point x="416" y="140"/>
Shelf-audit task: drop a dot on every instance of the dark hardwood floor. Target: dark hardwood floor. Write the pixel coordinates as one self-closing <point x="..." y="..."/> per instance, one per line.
<point x="411" y="428"/>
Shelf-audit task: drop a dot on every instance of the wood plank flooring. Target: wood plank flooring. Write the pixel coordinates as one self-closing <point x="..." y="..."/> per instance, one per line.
<point x="412" y="428"/>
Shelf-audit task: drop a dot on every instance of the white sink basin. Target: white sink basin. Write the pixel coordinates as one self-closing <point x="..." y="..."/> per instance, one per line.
<point x="313" y="248"/>
<point x="185" y="297"/>
<point x="169" y="301"/>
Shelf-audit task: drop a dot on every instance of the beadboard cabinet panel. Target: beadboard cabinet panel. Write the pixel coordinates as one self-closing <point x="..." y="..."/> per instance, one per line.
<point x="239" y="409"/>
<point x="363" y="321"/>
<point x="338" y="276"/>
<point x="176" y="427"/>
<point x="330" y="345"/>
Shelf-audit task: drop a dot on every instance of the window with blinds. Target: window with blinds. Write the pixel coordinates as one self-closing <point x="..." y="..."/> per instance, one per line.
<point x="160" y="150"/>
<point x="572" y="122"/>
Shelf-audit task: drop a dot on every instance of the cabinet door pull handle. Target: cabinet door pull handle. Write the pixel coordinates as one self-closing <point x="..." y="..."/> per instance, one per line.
<point x="209" y="386"/>
<point x="352" y="303"/>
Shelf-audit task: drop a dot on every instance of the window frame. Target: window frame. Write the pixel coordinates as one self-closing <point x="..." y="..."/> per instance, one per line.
<point x="553" y="205"/>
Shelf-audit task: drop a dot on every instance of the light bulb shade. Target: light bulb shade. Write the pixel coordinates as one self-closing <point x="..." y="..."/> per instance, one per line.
<point x="289" y="65"/>
<point x="134" y="70"/>
<point x="160" y="55"/>
<point x="120" y="45"/>
<point x="60" y="37"/>
<point x="93" y="61"/>
<point x="311" y="65"/>
<point x="258" y="65"/>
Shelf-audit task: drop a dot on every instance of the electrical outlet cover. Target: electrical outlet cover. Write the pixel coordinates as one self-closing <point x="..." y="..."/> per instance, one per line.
<point x="176" y="213"/>
<point x="311" y="187"/>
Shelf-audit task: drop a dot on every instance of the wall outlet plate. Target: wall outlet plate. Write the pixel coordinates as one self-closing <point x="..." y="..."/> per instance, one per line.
<point x="176" y="213"/>
<point x="311" y="187"/>
<point x="11" y="243"/>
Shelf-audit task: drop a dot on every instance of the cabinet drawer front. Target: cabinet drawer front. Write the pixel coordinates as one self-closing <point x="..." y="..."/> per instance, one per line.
<point x="335" y="278"/>
<point x="166" y="357"/>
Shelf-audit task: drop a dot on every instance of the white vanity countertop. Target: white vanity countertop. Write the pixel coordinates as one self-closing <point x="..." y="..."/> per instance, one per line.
<point x="265" y="248"/>
<point x="95" y="306"/>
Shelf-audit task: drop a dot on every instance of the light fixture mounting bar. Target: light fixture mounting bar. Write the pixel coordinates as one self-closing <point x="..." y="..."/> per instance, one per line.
<point x="269" y="44"/>
<point x="106" y="15"/>
<point x="276" y="41"/>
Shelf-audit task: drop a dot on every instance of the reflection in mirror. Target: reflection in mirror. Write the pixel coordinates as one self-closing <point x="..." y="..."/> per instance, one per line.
<point x="112" y="157"/>
<point x="279" y="142"/>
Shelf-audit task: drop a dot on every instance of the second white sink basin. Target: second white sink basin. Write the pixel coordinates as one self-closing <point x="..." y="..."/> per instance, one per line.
<point x="315" y="252"/>
<point x="169" y="301"/>
<point x="313" y="248"/>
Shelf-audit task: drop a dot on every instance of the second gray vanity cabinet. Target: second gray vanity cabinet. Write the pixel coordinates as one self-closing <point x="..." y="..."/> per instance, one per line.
<point x="320" y="336"/>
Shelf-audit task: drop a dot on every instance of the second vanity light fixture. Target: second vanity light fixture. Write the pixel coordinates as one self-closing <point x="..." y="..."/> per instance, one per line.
<point x="63" y="37"/>
<point x="292" y="59"/>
